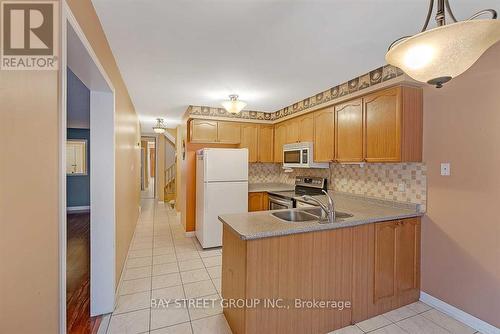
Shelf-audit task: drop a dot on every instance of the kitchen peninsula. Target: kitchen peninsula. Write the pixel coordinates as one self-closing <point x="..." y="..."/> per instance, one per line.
<point x="370" y="261"/>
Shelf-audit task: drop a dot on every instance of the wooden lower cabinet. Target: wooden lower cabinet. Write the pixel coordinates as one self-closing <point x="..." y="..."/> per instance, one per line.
<point x="258" y="201"/>
<point x="345" y="264"/>
<point x="390" y="253"/>
<point x="408" y="260"/>
<point x="385" y="261"/>
<point x="396" y="260"/>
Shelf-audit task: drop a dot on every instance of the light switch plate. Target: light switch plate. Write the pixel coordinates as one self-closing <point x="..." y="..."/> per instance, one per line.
<point x="445" y="169"/>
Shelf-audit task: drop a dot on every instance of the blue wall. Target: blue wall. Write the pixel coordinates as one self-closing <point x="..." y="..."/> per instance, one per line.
<point x="78" y="187"/>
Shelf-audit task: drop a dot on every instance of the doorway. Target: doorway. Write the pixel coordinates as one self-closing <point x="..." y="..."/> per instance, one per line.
<point x="148" y="167"/>
<point x="87" y="242"/>
<point x="78" y="205"/>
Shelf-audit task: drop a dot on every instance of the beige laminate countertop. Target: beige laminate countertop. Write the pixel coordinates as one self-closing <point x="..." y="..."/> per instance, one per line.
<point x="265" y="187"/>
<point x="261" y="224"/>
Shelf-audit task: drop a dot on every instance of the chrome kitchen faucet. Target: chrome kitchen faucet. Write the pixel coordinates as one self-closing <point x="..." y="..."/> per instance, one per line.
<point x="328" y="209"/>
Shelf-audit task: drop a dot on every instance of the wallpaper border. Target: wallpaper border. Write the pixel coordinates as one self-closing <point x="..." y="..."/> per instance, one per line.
<point x="370" y="79"/>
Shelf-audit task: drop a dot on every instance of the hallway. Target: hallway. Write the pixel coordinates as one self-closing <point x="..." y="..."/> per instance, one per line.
<point x="149" y="190"/>
<point x="163" y="263"/>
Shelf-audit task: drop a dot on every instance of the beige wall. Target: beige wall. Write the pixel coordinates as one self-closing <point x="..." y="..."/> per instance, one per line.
<point x="178" y="168"/>
<point x="169" y="153"/>
<point x="29" y="199"/>
<point x="173" y="132"/>
<point x="461" y="232"/>
<point x="181" y="172"/>
<point x="160" y="167"/>
<point x="29" y="185"/>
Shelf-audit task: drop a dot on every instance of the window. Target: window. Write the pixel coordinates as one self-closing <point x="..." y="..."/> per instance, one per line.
<point x="76" y="157"/>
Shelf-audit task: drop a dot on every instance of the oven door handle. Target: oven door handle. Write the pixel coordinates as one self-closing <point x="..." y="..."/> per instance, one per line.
<point x="279" y="201"/>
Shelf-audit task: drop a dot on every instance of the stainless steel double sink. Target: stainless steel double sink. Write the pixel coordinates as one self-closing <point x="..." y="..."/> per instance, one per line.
<point x="309" y="214"/>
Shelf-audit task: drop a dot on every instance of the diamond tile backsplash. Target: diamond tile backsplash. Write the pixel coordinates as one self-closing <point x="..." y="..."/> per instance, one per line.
<point x="264" y="173"/>
<point x="402" y="182"/>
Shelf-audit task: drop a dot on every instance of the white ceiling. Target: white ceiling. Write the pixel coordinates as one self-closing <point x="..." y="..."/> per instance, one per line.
<point x="173" y="53"/>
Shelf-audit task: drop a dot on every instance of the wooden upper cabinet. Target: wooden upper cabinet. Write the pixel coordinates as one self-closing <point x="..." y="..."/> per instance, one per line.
<point x="250" y="140"/>
<point x="412" y="124"/>
<point x="279" y="141"/>
<point x="306" y="128"/>
<point x="385" y="261"/>
<point x="228" y="132"/>
<point x="393" y="125"/>
<point x="324" y="135"/>
<point x="292" y="131"/>
<point x="383" y="126"/>
<point x="349" y="131"/>
<point x="266" y="143"/>
<point x="203" y="131"/>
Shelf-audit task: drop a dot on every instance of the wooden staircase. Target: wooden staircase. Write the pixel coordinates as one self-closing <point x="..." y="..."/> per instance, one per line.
<point x="170" y="187"/>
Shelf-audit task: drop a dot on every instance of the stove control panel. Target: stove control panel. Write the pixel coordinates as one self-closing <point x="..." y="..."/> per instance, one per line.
<point x="311" y="182"/>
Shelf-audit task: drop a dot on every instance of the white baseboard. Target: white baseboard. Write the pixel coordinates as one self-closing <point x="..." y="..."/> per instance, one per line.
<point x="459" y="315"/>
<point x="190" y="234"/>
<point x="78" y="208"/>
<point x="103" y="326"/>
<point x="120" y="279"/>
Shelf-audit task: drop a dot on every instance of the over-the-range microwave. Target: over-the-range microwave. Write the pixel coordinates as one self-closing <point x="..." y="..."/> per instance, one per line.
<point x="300" y="155"/>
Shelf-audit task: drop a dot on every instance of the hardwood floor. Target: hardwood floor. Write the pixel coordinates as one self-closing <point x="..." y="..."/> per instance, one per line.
<point x="78" y="276"/>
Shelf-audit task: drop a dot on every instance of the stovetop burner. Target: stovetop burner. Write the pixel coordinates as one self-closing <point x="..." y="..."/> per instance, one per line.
<point x="305" y="186"/>
<point x="301" y="191"/>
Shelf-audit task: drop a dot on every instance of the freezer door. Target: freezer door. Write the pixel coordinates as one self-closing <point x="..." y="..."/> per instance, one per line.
<point x="226" y="164"/>
<point x="221" y="198"/>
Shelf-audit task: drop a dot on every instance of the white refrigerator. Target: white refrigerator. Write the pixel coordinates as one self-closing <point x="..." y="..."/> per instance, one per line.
<point x="221" y="188"/>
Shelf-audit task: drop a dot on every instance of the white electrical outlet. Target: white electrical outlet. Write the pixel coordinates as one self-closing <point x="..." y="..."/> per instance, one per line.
<point x="445" y="169"/>
<point x="401" y="187"/>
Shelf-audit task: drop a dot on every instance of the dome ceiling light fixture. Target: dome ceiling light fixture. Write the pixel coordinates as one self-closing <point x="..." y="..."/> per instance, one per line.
<point x="160" y="126"/>
<point x="233" y="105"/>
<point x="438" y="55"/>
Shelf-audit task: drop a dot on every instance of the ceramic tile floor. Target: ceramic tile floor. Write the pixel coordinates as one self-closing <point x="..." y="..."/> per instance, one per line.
<point x="416" y="318"/>
<point x="164" y="263"/>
